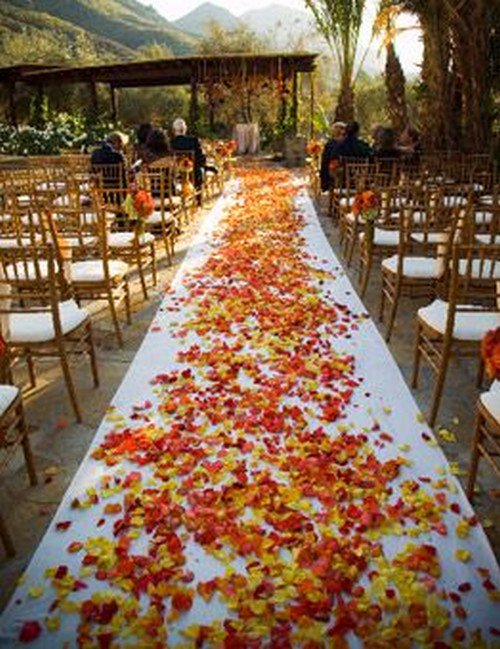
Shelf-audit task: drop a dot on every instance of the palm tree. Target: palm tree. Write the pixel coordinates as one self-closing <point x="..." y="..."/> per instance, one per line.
<point x="395" y="81"/>
<point x="339" y="21"/>
<point x="458" y="40"/>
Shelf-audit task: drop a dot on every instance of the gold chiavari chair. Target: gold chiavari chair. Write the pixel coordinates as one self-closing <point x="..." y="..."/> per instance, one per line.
<point x="98" y="276"/>
<point x="486" y="438"/>
<point x="458" y="324"/>
<point x="163" y="223"/>
<point x="43" y="320"/>
<point x="13" y="434"/>
<point x="422" y="258"/>
<point x="130" y="244"/>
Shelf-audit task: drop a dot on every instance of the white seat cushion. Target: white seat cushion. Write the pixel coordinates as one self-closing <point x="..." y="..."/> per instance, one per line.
<point x="22" y="271"/>
<point x="126" y="239"/>
<point x="487" y="200"/>
<point x="487" y="239"/>
<point x="64" y="200"/>
<point x="8" y="394"/>
<point x="485" y="269"/>
<point x="434" y="238"/>
<point x="346" y="201"/>
<point x="58" y="185"/>
<point x="415" y="267"/>
<point x="383" y="237"/>
<point x="176" y="201"/>
<point x="350" y="216"/>
<point x="12" y="242"/>
<point x="75" y="242"/>
<point x="39" y="327"/>
<point x="451" y="201"/>
<point x="93" y="270"/>
<point x="491" y="401"/>
<point x="483" y="218"/>
<point x="418" y="216"/>
<point x="468" y="326"/>
<point x="155" y="218"/>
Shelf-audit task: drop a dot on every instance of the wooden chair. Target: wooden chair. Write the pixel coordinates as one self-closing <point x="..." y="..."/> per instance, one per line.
<point x="13" y="433"/>
<point x="130" y="244"/>
<point x="486" y="439"/>
<point x="458" y="324"/>
<point x="97" y="276"/>
<point x="422" y="258"/>
<point x="163" y="223"/>
<point x="43" y="319"/>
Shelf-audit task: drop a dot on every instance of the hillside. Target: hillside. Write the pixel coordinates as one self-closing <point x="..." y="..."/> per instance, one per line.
<point x="198" y="21"/>
<point x="51" y="39"/>
<point x="120" y="23"/>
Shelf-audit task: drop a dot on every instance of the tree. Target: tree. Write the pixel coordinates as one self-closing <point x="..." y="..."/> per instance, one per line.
<point x="395" y="81"/>
<point x="339" y="21"/>
<point x="457" y="82"/>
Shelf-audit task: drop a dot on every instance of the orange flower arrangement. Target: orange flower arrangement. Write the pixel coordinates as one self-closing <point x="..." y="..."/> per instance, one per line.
<point x="186" y="164"/>
<point x="144" y="204"/>
<point x="314" y="147"/>
<point x="366" y="204"/>
<point x="490" y="352"/>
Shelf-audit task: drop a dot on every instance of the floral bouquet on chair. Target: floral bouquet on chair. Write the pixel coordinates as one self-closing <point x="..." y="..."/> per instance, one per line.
<point x="138" y="205"/>
<point x="314" y="148"/>
<point x="366" y="204"/>
<point x="490" y="352"/>
<point x="186" y="166"/>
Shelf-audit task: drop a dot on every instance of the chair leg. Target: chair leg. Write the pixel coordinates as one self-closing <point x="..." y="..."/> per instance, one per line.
<point x="128" y="312"/>
<point x="141" y="274"/>
<point x="417" y="357"/>
<point x="153" y="263"/>
<point x="92" y="354"/>
<point x="480" y="374"/>
<point x="6" y="539"/>
<point x="365" y="270"/>
<point x="381" y="308"/>
<point x="393" y="312"/>
<point x="69" y="383"/>
<point x="31" y="368"/>
<point x="114" y="317"/>
<point x="438" y="388"/>
<point x="25" y="443"/>
<point x="475" y="455"/>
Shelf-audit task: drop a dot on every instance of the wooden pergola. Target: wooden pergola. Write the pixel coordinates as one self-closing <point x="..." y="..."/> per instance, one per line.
<point x="194" y="71"/>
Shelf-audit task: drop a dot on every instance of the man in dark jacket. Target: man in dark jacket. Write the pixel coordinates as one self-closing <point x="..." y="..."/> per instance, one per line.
<point x="189" y="143"/>
<point x="110" y="162"/>
<point x="353" y="146"/>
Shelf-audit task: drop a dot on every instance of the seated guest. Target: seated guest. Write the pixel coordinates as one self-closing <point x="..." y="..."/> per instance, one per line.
<point x="330" y="152"/>
<point x="410" y="145"/>
<point x="157" y="146"/>
<point x="385" y="150"/>
<point x="110" y="153"/>
<point x="142" y="134"/>
<point x="353" y="146"/>
<point x="385" y="145"/>
<point x="109" y="164"/>
<point x="189" y="143"/>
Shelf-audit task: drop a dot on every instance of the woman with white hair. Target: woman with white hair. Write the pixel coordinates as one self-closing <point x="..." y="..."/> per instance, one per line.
<point x="190" y="144"/>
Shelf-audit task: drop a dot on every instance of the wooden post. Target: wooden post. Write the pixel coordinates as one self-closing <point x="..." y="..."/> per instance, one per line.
<point x="295" y="103"/>
<point x="311" y="105"/>
<point x="94" y="102"/>
<point x="11" y="108"/>
<point x="193" y="107"/>
<point x="114" y="103"/>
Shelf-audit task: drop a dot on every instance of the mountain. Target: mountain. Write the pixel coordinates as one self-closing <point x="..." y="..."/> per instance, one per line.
<point x="198" y="21"/>
<point x="283" y="25"/>
<point x="120" y="23"/>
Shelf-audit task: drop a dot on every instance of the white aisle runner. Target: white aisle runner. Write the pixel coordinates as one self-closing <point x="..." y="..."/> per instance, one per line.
<point x="382" y="403"/>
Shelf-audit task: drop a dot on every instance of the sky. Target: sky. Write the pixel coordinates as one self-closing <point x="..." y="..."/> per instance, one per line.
<point x="173" y="9"/>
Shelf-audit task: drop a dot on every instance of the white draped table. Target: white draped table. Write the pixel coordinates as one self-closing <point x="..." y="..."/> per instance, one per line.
<point x="383" y="397"/>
